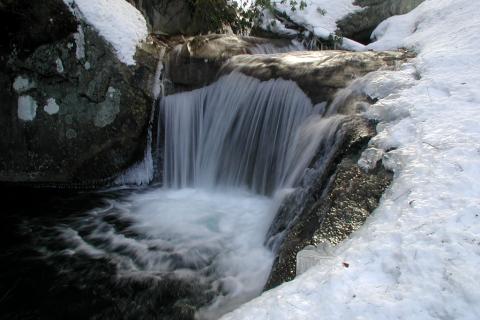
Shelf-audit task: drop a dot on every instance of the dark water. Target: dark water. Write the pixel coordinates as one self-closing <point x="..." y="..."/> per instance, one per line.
<point x="76" y="286"/>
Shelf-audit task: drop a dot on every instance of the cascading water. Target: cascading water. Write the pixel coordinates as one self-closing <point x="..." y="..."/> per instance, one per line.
<point x="240" y="132"/>
<point x="228" y="149"/>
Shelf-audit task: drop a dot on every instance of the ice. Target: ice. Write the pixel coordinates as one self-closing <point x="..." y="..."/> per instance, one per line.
<point x="311" y="256"/>
<point x="370" y="158"/>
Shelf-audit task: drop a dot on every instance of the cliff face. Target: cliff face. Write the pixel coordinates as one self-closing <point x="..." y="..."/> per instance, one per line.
<point x="166" y="17"/>
<point x="72" y="114"/>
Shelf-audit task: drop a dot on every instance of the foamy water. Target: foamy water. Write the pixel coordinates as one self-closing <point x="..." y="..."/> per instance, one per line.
<point x="215" y="238"/>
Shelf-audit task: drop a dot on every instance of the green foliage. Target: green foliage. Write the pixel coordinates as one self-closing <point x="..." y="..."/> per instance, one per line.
<point x="213" y="15"/>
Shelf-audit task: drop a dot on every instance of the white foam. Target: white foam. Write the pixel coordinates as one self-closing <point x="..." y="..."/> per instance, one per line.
<point x="217" y="238"/>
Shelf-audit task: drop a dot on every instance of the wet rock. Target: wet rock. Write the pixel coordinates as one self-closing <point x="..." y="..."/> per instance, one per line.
<point x="185" y="17"/>
<point x="29" y="24"/>
<point x="331" y="207"/>
<point x="360" y="25"/>
<point x="72" y="113"/>
<point x="318" y="73"/>
<point x="200" y="60"/>
<point x="197" y="61"/>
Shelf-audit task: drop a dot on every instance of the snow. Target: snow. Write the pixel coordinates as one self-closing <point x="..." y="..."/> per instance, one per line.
<point x="322" y="24"/>
<point x="120" y="23"/>
<point x="417" y="256"/>
<point x="319" y="17"/>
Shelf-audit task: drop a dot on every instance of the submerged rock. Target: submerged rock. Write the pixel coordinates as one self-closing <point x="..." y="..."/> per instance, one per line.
<point x="72" y="113"/>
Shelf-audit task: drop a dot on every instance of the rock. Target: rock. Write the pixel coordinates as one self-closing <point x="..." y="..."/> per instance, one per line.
<point x="72" y="114"/>
<point x="318" y="73"/>
<point x="360" y="25"/>
<point x="167" y="17"/>
<point x="336" y="203"/>
<point x="28" y="24"/>
<point x="200" y="60"/>
<point x="186" y="17"/>
<point x="196" y="62"/>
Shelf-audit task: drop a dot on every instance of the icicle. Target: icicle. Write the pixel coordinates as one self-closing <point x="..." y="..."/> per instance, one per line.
<point x="142" y="172"/>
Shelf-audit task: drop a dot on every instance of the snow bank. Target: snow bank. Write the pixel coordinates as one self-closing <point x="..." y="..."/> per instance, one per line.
<point x="417" y="257"/>
<point x="319" y="17"/>
<point x="121" y="24"/>
<point x="312" y="16"/>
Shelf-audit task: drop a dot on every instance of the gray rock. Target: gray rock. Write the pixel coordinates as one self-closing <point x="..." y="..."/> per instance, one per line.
<point x="359" y="25"/>
<point x="167" y="17"/>
<point x="91" y="122"/>
<point x="200" y="60"/>
<point x="196" y="62"/>
<point x="319" y="73"/>
<point x="331" y="207"/>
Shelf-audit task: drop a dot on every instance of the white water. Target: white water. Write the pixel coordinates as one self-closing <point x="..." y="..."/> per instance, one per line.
<point x="215" y="238"/>
<point x="240" y="132"/>
<point x="268" y="48"/>
<point x="226" y="147"/>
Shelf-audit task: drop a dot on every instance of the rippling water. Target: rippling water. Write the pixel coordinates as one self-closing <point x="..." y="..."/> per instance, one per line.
<point x="154" y="253"/>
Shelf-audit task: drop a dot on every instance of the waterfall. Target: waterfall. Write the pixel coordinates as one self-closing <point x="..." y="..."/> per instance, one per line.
<point x="269" y="48"/>
<point x="229" y="152"/>
<point x="240" y="132"/>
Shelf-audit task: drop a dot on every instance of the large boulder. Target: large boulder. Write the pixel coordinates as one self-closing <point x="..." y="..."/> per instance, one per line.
<point x="72" y="113"/>
<point x="200" y="60"/>
<point x="186" y="17"/>
<point x="335" y="202"/>
<point x="167" y="17"/>
<point x="196" y="62"/>
<point x="359" y="25"/>
<point x="320" y="74"/>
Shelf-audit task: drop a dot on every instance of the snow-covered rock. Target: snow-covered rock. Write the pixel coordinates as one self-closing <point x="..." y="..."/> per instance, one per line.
<point x="359" y="24"/>
<point x="67" y="124"/>
<point x="120" y="23"/>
